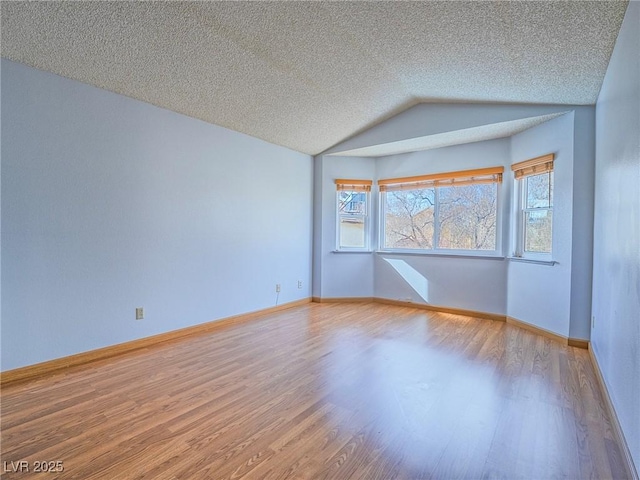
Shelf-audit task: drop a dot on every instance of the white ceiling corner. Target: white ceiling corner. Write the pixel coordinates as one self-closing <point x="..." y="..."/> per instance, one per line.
<point x="307" y="75"/>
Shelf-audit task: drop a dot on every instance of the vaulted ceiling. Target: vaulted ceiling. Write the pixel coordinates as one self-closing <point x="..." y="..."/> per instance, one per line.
<point x="307" y="75"/>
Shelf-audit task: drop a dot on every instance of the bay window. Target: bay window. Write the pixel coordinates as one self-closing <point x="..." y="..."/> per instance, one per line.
<point x="534" y="197"/>
<point x="353" y="197"/>
<point x="454" y="211"/>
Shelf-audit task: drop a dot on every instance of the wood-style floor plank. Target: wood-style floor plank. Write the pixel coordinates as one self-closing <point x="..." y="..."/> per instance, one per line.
<point x="322" y="391"/>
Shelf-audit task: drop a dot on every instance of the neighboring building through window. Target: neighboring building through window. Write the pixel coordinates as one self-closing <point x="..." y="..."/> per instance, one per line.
<point x="353" y="214"/>
<point x="534" y="194"/>
<point x="455" y="211"/>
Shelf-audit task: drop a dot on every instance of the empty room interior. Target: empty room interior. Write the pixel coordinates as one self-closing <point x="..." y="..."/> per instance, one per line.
<point x="368" y="240"/>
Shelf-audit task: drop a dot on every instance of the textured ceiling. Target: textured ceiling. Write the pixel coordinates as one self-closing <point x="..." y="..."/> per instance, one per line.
<point x="308" y="75"/>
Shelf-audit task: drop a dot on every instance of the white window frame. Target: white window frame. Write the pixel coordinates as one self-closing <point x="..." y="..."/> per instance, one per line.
<point x="520" y="209"/>
<point x="497" y="252"/>
<point x="367" y="224"/>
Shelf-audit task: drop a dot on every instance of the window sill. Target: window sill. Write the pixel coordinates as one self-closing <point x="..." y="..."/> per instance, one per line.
<point x="351" y="251"/>
<point x="549" y="263"/>
<point x="492" y="256"/>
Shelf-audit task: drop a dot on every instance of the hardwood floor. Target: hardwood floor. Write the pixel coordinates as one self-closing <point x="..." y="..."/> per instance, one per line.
<point x="331" y="391"/>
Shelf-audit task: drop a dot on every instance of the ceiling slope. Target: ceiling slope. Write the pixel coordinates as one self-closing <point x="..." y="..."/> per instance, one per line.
<point x="480" y="133"/>
<point x="307" y="75"/>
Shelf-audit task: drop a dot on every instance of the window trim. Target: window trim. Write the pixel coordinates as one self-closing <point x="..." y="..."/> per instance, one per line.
<point x="522" y="171"/>
<point x="362" y="186"/>
<point x="437" y="181"/>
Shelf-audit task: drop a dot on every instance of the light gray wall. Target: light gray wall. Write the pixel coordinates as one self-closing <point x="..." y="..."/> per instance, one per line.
<point x="459" y="282"/>
<point x="615" y="336"/>
<point x="318" y="218"/>
<point x="541" y="294"/>
<point x="343" y="274"/>
<point x="109" y="204"/>
<point x="0" y="222"/>
<point x="584" y="154"/>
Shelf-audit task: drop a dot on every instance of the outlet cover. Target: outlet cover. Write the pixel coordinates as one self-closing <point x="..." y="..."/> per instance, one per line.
<point x="139" y="313"/>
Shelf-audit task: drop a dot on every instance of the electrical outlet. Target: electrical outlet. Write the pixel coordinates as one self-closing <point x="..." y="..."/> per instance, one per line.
<point x="139" y="313"/>
<point x="593" y="321"/>
<point x="277" y="288"/>
<point x="299" y="283"/>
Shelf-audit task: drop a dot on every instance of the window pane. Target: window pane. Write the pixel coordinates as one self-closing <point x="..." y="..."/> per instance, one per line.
<point x="537" y="231"/>
<point x="352" y="232"/>
<point x="408" y="221"/>
<point x="354" y="203"/>
<point x="539" y="190"/>
<point x="468" y="217"/>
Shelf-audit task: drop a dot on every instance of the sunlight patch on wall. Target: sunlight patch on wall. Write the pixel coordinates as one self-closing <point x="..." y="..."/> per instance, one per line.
<point x="415" y="279"/>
